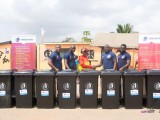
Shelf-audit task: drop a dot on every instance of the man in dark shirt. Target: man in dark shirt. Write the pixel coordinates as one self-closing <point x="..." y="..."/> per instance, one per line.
<point x="55" y="60"/>
<point x="69" y="58"/>
<point x="108" y="59"/>
<point x="124" y="58"/>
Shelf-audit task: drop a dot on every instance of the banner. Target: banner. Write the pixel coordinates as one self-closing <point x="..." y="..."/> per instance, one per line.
<point x="149" y="51"/>
<point x="23" y="52"/>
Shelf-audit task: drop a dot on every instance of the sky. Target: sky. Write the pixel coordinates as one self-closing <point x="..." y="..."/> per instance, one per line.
<point x="69" y="18"/>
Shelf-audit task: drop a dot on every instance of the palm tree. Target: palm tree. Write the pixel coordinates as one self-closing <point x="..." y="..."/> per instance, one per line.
<point x="86" y="33"/>
<point x="124" y="29"/>
<point x="85" y="38"/>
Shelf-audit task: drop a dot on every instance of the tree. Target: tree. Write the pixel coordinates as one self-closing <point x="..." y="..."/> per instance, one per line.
<point x="124" y="28"/>
<point x="69" y="39"/>
<point x="85" y="36"/>
<point x="86" y="33"/>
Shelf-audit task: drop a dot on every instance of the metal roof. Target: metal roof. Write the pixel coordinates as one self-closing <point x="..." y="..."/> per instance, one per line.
<point x="6" y="42"/>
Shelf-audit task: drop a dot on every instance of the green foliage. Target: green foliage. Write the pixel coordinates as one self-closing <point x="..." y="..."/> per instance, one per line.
<point x="85" y="36"/>
<point x="124" y="28"/>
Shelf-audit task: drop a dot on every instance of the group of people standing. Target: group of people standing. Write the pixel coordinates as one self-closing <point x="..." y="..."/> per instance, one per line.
<point x="73" y="62"/>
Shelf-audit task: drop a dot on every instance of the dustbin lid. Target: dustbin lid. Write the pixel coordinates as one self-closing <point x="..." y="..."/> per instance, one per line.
<point x="153" y="72"/>
<point x="67" y="72"/>
<point x="5" y="72"/>
<point x="110" y="72"/>
<point x="133" y="72"/>
<point x="89" y="72"/>
<point x="50" y="73"/>
<point x="28" y="72"/>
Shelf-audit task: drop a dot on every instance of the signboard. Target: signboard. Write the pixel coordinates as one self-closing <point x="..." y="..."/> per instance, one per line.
<point x="149" y="51"/>
<point x="23" y="52"/>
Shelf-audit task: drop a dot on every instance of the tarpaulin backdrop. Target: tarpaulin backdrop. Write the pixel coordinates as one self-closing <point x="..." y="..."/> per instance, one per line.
<point x="23" y="52"/>
<point x="149" y="51"/>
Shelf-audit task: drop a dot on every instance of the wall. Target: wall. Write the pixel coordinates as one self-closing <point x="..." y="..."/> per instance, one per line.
<point x="5" y="59"/>
<point x="44" y="50"/>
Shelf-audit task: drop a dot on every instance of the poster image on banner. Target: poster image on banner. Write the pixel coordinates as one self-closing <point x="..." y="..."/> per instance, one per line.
<point x="149" y="51"/>
<point x="23" y="52"/>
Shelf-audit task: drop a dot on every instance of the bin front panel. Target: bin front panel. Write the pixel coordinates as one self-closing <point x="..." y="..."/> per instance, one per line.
<point x="133" y="91"/>
<point x="153" y="91"/>
<point x="23" y="89"/>
<point x="5" y="91"/>
<point x="67" y="91"/>
<point x="88" y="91"/>
<point x="45" y="91"/>
<point x="110" y="91"/>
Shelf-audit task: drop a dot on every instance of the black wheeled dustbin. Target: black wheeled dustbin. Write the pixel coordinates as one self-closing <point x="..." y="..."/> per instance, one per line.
<point x="5" y="89"/>
<point x="153" y="89"/>
<point x="110" y="82"/>
<point x="45" y="89"/>
<point x="133" y="89"/>
<point x="88" y="88"/>
<point x="66" y="89"/>
<point x="24" y="88"/>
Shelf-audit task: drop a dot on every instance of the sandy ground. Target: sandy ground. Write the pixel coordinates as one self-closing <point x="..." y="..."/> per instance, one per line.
<point x="77" y="114"/>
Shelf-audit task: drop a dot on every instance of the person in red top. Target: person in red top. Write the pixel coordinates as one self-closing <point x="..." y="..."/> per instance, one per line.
<point x="83" y="60"/>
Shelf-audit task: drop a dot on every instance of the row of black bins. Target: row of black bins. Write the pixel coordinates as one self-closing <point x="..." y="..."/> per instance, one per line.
<point x="45" y="88"/>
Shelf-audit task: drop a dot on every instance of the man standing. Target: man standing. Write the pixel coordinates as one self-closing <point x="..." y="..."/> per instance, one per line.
<point x="55" y="60"/>
<point x="69" y="58"/>
<point x="108" y="59"/>
<point x="124" y="58"/>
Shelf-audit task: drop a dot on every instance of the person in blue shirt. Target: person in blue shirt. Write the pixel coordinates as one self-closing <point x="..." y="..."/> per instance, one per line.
<point x="69" y="58"/>
<point x="55" y="60"/>
<point x="124" y="58"/>
<point x="108" y="59"/>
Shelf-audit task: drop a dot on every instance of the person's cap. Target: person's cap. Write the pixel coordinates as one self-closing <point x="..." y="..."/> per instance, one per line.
<point x="84" y="49"/>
